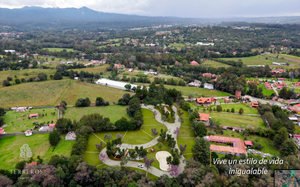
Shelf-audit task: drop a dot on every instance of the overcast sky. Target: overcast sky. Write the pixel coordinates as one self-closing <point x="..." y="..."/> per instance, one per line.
<point x="178" y="8"/>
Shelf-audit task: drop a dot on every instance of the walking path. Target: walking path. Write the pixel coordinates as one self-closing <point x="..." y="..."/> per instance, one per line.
<point x="153" y="170"/>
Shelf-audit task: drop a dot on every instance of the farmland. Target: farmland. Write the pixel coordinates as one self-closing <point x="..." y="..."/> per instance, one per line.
<point x="39" y="145"/>
<point x="215" y="64"/>
<point x="97" y="69"/>
<point x="17" y="123"/>
<point x="33" y="94"/>
<point x="197" y="92"/>
<point x="82" y="90"/>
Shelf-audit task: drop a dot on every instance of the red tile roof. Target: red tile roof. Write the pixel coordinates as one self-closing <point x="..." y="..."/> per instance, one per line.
<point x="203" y="100"/>
<point x="33" y="115"/>
<point x="194" y="63"/>
<point x="238" y="145"/>
<point x="204" y="117"/>
<point x="32" y="163"/>
<point x="248" y="143"/>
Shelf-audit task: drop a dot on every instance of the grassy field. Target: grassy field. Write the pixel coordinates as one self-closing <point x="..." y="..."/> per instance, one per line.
<point x="17" y="123"/>
<point x="289" y="56"/>
<point x="82" y="89"/>
<point x="97" y="69"/>
<point x="215" y="64"/>
<point x="113" y="112"/>
<point x="235" y="120"/>
<point x="39" y="144"/>
<point x="261" y="59"/>
<point x="33" y="94"/>
<point x="198" y="92"/>
<point x="177" y="46"/>
<point x="265" y="91"/>
<point x="246" y="107"/>
<point x="58" y="49"/>
<point x="137" y="73"/>
<point x="23" y="74"/>
<point x="131" y="137"/>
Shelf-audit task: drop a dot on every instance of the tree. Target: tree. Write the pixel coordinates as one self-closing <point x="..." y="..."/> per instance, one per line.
<point x="100" y="101"/>
<point x="163" y="118"/>
<point x="17" y="81"/>
<point x="199" y="129"/>
<point x="163" y="134"/>
<point x="201" y="151"/>
<point x="288" y="148"/>
<point x="160" y="145"/>
<point x="219" y="108"/>
<point x="63" y="125"/>
<point x="241" y="111"/>
<point x="133" y="106"/>
<point x="6" y="83"/>
<point x="232" y="110"/>
<point x="281" y="136"/>
<point x="42" y="76"/>
<point x="176" y="131"/>
<point x="174" y="171"/>
<point x="181" y="120"/>
<point x="108" y="137"/>
<point x="128" y="87"/>
<point x="169" y="160"/>
<point x="182" y="148"/>
<point x="99" y="146"/>
<point x="119" y="136"/>
<point x="154" y="132"/>
<point x="194" y="115"/>
<point x="102" y="157"/>
<point x="125" y="99"/>
<point x="54" y="137"/>
<point x="57" y="76"/>
<point x="148" y="163"/>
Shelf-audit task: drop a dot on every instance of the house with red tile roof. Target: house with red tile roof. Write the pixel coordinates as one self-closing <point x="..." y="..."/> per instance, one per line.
<point x="207" y="75"/>
<point x="254" y="104"/>
<point x="226" y="100"/>
<point x="33" y="115"/>
<point x="268" y="86"/>
<point x="52" y="126"/>
<point x="248" y="144"/>
<point x="194" y="63"/>
<point x="238" y="145"/>
<point x="119" y="66"/>
<point x="2" y="130"/>
<point x="204" y="117"/>
<point x="32" y="163"/>
<point x="203" y="100"/>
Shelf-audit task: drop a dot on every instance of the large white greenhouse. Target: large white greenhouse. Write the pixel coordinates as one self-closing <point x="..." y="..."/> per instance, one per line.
<point x="114" y="84"/>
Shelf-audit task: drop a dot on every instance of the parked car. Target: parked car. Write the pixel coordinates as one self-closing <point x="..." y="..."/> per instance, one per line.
<point x="140" y="165"/>
<point x="297" y="115"/>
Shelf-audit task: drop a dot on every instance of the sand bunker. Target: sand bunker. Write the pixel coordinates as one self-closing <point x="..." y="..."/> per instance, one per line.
<point x="161" y="156"/>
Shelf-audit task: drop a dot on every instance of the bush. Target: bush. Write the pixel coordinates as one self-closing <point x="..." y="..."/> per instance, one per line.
<point x="219" y="108"/>
<point x="17" y="81"/>
<point x="54" y="138"/>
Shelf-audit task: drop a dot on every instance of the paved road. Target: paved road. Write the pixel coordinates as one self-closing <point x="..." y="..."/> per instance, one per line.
<point x="170" y="126"/>
<point x="271" y="102"/>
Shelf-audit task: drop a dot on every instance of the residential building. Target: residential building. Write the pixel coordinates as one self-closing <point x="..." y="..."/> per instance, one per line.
<point x="204" y="118"/>
<point x="226" y="100"/>
<point x="194" y="63"/>
<point x="203" y="101"/>
<point x="196" y="83"/>
<point x="201" y="43"/>
<point x="208" y="86"/>
<point x="237" y="143"/>
<point x="248" y="144"/>
<point x="33" y="115"/>
<point x="119" y="66"/>
<point x="254" y="104"/>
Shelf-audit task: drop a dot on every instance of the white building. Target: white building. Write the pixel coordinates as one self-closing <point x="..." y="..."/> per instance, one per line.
<point x="150" y="45"/>
<point x="10" y="51"/>
<point x="114" y="84"/>
<point x="201" y="43"/>
<point x="208" y="86"/>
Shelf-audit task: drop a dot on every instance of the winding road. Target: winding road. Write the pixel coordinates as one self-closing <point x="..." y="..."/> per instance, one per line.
<point x="153" y="170"/>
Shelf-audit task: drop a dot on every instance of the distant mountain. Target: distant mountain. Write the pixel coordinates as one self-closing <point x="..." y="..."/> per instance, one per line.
<point x="49" y="17"/>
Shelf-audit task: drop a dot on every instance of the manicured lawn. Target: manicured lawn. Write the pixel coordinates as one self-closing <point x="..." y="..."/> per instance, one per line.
<point x="39" y="145"/>
<point x="246" y="107"/>
<point x="44" y="93"/>
<point x="58" y="49"/>
<point x="170" y="119"/>
<point x="113" y="112"/>
<point x="150" y="122"/>
<point x="198" y="92"/>
<point x="17" y="123"/>
<point x="82" y="89"/>
<point x="265" y="91"/>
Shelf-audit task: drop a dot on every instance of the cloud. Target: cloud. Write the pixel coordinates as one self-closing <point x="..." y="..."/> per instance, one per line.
<point x="178" y="8"/>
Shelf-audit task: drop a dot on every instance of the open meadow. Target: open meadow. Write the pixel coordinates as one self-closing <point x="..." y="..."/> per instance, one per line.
<point x="198" y="92"/>
<point x="215" y="64"/>
<point x="97" y="69"/>
<point x="58" y="49"/>
<point x="44" y="93"/>
<point x="39" y="145"/>
<point x="17" y="123"/>
<point x="113" y="112"/>
<point x="82" y="90"/>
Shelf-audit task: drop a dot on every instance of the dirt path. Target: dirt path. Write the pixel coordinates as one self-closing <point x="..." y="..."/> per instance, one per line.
<point x="293" y="60"/>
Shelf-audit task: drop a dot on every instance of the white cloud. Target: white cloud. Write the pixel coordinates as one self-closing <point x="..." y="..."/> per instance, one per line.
<point x="178" y="8"/>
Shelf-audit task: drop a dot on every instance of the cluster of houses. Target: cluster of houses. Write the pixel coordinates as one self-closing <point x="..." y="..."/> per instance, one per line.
<point x="24" y="55"/>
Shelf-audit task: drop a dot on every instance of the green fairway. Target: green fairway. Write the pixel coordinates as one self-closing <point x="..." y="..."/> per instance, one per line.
<point x="58" y="49"/>
<point x="17" y="123"/>
<point x="33" y="93"/>
<point x="113" y="112"/>
<point x="39" y="145"/>
<point x="82" y="89"/>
